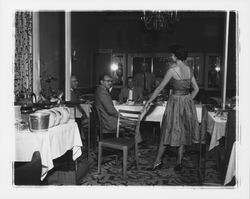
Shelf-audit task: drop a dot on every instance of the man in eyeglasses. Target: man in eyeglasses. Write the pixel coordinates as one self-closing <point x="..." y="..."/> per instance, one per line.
<point x="130" y="92"/>
<point x="75" y="99"/>
<point x="103" y="101"/>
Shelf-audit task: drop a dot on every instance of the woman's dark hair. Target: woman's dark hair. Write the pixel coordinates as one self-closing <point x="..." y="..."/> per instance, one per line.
<point x="179" y="51"/>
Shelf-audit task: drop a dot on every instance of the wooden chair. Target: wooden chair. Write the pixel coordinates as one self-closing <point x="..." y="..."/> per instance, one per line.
<point x="28" y="173"/>
<point x="128" y="121"/>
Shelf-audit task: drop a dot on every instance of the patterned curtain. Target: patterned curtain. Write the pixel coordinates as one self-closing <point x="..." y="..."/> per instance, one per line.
<point x="23" y="53"/>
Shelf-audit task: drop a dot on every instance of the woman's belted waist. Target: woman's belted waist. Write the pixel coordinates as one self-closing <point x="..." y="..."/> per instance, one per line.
<point x="181" y="92"/>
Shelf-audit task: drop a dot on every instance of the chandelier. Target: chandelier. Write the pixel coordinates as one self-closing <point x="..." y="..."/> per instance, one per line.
<point x="160" y="20"/>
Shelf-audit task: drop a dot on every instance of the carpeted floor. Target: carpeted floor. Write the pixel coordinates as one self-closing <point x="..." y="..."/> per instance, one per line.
<point x="189" y="176"/>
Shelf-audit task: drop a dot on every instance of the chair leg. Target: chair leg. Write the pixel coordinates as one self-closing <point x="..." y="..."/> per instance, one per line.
<point x="116" y="159"/>
<point x="136" y="157"/>
<point x="154" y="135"/>
<point x="99" y="157"/>
<point x="199" y="163"/>
<point x="125" y="157"/>
<point x="205" y="160"/>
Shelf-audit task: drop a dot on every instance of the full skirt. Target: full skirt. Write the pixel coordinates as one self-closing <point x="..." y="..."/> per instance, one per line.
<point x="179" y="124"/>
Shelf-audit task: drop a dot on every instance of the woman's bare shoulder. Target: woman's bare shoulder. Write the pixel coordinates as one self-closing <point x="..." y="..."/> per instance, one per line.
<point x="172" y="68"/>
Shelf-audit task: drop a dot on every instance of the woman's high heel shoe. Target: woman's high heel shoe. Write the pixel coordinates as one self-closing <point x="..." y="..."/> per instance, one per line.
<point x="157" y="166"/>
<point x="178" y="167"/>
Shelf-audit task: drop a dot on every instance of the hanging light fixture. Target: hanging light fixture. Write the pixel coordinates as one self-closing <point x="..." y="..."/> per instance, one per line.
<point x="160" y="20"/>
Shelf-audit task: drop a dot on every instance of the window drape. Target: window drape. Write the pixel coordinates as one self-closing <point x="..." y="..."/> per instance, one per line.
<point x="23" y="66"/>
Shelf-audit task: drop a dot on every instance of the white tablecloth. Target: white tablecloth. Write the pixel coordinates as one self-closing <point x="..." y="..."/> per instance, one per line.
<point x="216" y="127"/>
<point x="51" y="144"/>
<point x="155" y="113"/>
<point x="231" y="169"/>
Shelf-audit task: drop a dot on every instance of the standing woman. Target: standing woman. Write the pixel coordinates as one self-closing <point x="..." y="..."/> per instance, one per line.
<point x="179" y="124"/>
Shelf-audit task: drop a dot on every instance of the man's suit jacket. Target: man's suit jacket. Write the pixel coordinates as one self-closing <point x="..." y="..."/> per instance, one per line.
<point x="107" y="112"/>
<point x="115" y="93"/>
<point x="75" y="98"/>
<point x="150" y="79"/>
<point x="137" y="94"/>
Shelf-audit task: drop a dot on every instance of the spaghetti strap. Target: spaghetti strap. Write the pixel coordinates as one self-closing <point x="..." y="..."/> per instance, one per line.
<point x="177" y="74"/>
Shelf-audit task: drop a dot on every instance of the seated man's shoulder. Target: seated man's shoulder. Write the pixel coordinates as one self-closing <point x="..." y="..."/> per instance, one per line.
<point x="73" y="96"/>
<point x="100" y="89"/>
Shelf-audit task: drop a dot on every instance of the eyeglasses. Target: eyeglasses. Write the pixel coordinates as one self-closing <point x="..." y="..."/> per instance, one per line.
<point x="108" y="80"/>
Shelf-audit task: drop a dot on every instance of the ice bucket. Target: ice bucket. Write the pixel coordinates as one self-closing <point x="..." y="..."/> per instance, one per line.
<point x="39" y="122"/>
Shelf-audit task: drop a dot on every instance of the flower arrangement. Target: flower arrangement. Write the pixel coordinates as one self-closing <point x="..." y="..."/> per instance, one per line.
<point x="48" y="90"/>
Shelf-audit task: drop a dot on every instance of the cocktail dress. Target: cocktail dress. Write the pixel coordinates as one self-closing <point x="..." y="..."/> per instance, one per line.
<point x="179" y="123"/>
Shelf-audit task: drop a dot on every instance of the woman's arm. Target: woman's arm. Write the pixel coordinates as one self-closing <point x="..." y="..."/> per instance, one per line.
<point x="195" y="88"/>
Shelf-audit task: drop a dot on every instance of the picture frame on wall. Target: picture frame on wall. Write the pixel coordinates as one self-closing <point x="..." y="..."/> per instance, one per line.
<point x="195" y="62"/>
<point x="213" y="73"/>
<point x="118" y="69"/>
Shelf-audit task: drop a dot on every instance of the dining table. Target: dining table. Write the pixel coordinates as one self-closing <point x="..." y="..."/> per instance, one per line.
<point x="216" y="127"/>
<point x="51" y="144"/>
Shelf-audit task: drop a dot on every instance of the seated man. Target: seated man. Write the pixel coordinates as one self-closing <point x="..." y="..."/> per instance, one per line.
<point x="114" y="92"/>
<point x="104" y="105"/>
<point x="130" y="92"/>
<point x="75" y="94"/>
<point x="75" y="98"/>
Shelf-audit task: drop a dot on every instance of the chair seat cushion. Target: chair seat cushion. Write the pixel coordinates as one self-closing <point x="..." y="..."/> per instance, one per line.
<point x="118" y="142"/>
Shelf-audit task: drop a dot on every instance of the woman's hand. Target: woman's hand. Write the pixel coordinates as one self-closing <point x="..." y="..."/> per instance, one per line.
<point x="146" y="107"/>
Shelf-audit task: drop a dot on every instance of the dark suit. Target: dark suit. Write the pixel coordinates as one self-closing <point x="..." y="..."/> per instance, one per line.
<point x="137" y="94"/>
<point x="75" y="98"/>
<point x="115" y="93"/>
<point x="107" y="111"/>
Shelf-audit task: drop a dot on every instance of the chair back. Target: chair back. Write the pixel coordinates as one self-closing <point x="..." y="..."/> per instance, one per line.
<point x="99" y="123"/>
<point x="28" y="173"/>
<point x="96" y="122"/>
<point x="130" y="121"/>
